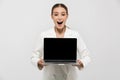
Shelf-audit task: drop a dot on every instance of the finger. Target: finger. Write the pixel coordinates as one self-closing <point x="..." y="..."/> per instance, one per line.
<point x="41" y="61"/>
<point x="79" y="61"/>
<point x="45" y="65"/>
<point x="75" y="64"/>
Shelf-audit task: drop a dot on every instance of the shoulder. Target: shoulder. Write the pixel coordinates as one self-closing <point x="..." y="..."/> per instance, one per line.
<point x="73" y="32"/>
<point x="46" y="32"/>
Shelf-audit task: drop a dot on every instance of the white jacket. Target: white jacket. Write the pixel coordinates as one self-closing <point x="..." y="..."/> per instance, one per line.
<point x="62" y="72"/>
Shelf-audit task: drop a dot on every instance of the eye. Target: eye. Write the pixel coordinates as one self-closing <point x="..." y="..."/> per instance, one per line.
<point x="55" y="14"/>
<point x="63" y="14"/>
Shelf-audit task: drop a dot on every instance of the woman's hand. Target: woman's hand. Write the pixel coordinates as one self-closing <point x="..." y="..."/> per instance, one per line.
<point x="40" y="64"/>
<point x="79" y="64"/>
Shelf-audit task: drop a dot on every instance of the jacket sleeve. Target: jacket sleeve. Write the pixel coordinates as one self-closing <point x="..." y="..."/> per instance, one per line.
<point x="37" y="53"/>
<point x="83" y="53"/>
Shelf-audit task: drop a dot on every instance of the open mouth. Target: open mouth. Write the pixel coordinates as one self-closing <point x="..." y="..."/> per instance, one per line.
<point x="60" y="22"/>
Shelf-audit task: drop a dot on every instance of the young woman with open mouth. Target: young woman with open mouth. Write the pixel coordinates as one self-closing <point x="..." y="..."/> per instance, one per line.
<point x="59" y="15"/>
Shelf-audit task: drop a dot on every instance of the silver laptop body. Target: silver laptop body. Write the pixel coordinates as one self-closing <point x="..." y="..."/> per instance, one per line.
<point x="60" y="51"/>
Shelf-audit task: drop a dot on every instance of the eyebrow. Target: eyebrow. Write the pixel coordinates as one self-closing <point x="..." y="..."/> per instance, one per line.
<point x="58" y="12"/>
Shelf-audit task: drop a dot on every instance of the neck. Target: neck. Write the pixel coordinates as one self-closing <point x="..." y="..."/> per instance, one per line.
<point x="60" y="31"/>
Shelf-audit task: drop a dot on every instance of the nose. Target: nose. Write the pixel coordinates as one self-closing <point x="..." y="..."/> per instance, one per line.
<point x="59" y="17"/>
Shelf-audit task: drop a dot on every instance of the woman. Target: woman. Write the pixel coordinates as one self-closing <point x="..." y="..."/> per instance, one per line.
<point x="59" y="14"/>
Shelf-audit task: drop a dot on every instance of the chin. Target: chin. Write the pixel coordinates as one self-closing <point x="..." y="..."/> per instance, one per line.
<point x="60" y="27"/>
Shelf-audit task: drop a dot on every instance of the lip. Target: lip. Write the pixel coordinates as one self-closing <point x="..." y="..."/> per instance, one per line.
<point x="59" y="22"/>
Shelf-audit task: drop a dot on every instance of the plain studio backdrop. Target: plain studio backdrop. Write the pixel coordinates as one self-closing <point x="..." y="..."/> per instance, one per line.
<point x="97" y="21"/>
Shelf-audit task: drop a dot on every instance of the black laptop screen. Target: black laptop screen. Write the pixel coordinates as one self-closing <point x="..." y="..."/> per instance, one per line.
<point x="60" y="49"/>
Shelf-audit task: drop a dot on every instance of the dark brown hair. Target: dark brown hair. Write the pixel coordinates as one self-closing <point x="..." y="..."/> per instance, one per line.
<point x="59" y="5"/>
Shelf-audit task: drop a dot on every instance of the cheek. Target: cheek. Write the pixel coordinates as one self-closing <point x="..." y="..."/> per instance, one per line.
<point x="54" y="18"/>
<point x="65" y="18"/>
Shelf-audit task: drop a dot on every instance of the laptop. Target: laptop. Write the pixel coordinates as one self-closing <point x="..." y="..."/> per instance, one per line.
<point x="60" y="51"/>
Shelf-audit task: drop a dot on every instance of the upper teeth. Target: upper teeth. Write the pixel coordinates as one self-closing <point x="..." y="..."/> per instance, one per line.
<point x="59" y="22"/>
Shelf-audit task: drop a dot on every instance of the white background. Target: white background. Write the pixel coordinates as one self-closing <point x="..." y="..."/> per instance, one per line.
<point x="21" y="21"/>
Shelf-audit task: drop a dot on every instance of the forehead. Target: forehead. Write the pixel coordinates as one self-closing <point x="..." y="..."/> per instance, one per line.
<point x="59" y="10"/>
